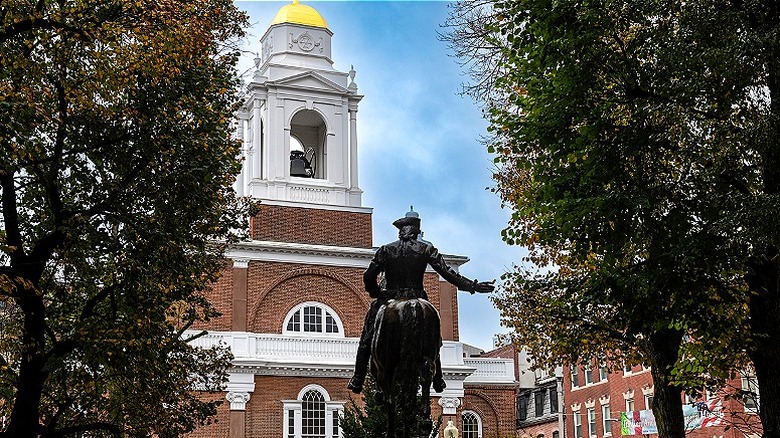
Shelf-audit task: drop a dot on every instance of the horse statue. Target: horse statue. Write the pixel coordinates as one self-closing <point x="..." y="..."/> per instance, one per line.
<point x="405" y="345"/>
<point x="401" y="333"/>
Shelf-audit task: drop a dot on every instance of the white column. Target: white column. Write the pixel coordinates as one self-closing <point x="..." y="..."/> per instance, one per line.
<point x="238" y="400"/>
<point x="353" y="161"/>
<point x="449" y="405"/>
<point x="257" y="121"/>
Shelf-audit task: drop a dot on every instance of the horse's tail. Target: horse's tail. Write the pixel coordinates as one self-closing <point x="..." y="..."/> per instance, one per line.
<point x="420" y="331"/>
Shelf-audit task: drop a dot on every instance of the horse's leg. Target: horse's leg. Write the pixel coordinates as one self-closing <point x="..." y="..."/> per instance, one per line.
<point x="390" y="411"/>
<point x="426" y="423"/>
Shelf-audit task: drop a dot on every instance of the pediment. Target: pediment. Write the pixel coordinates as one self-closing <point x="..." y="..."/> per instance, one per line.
<point x="311" y="80"/>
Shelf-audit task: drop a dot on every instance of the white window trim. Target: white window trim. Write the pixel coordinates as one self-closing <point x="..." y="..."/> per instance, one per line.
<point x="479" y="421"/>
<point x="588" y="369"/>
<point x="333" y="409"/>
<point x="325" y="308"/>
<point x="647" y="398"/>
<point x="745" y="383"/>
<point x="574" y="371"/>
<point x="591" y="424"/>
<point x="605" y="376"/>
<point x="578" y="419"/>
<point x="605" y="419"/>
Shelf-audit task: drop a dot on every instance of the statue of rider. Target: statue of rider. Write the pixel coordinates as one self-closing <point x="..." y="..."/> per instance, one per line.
<point x="403" y="264"/>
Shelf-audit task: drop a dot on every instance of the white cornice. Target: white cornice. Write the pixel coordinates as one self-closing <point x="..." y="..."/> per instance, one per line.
<point x="303" y="253"/>
<point x="265" y="201"/>
<point x="285" y="252"/>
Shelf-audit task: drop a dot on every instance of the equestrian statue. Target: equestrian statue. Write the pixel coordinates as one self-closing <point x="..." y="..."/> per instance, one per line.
<point x="401" y="334"/>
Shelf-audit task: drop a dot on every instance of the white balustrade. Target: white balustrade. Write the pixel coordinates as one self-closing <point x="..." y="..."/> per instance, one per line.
<point x="340" y="352"/>
<point x="491" y="370"/>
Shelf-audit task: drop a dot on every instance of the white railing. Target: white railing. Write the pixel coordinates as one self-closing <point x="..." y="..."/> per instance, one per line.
<point x="278" y="349"/>
<point x="491" y="370"/>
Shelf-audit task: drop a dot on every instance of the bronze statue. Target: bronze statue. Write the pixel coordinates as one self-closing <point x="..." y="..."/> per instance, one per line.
<point x="401" y="332"/>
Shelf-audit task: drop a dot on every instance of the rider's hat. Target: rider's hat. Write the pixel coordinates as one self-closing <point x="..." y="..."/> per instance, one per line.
<point x="411" y="218"/>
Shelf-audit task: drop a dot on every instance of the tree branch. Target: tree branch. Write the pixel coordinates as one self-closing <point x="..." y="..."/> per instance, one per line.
<point x="91" y="427"/>
<point x="11" y="216"/>
<point x="15" y="29"/>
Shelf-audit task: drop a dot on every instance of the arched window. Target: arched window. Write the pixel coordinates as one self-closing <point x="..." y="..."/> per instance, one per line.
<point x="312" y="415"/>
<point x="472" y="425"/>
<point x="313" y="318"/>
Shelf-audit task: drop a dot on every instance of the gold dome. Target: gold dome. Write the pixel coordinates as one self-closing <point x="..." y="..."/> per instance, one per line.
<point x="297" y="13"/>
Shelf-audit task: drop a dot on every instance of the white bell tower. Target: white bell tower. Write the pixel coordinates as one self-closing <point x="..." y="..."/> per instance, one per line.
<point x="299" y="118"/>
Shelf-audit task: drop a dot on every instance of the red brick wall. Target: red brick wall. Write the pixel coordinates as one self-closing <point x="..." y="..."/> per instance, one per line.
<point x="264" y="410"/>
<point x="221" y="297"/>
<point x="220" y="424"/>
<point x="314" y="226"/>
<point x="495" y="406"/>
<point x="275" y="288"/>
<point x="535" y="430"/>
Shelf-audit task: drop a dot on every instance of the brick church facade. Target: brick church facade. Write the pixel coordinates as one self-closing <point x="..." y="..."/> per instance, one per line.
<point x="291" y="297"/>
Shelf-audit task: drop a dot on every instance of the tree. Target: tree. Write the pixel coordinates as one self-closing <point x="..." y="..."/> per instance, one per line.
<point x="115" y="176"/>
<point x="370" y="419"/>
<point x="637" y="145"/>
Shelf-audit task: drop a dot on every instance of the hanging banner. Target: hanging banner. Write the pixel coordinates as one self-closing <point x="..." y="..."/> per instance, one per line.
<point x="703" y="414"/>
<point x="637" y="423"/>
<point x="697" y="415"/>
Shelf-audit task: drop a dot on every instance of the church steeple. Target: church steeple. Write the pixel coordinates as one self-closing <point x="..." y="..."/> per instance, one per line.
<point x="299" y="119"/>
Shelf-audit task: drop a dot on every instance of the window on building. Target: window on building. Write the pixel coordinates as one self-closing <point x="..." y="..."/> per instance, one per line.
<point x="606" y="416"/>
<point x="313" y="318"/>
<point x="556" y="434"/>
<point x="577" y="424"/>
<point x="750" y="394"/>
<point x="522" y="407"/>
<point x="649" y="401"/>
<point x="603" y="372"/>
<point x="575" y="381"/>
<point x="627" y="370"/>
<point x="290" y="423"/>
<point x="629" y="405"/>
<point x="312" y="415"/>
<point x="539" y="403"/>
<point x="472" y="425"/>
<point x="336" y="427"/>
<point x="591" y="422"/>
<point x="553" y="400"/>
<point x="588" y="374"/>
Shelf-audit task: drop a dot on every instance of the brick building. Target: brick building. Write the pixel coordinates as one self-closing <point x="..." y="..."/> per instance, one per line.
<point x="595" y="401"/>
<point x="539" y="398"/>
<point x="292" y="298"/>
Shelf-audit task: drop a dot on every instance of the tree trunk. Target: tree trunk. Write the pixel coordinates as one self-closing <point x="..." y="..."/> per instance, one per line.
<point x="664" y="346"/>
<point x="765" y="348"/>
<point x="765" y="298"/>
<point x="25" y="416"/>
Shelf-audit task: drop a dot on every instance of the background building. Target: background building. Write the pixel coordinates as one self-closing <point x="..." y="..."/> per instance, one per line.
<point x="595" y="398"/>
<point x="292" y="298"/>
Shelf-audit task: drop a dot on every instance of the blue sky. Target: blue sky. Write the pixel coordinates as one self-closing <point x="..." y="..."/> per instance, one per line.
<point x="418" y="139"/>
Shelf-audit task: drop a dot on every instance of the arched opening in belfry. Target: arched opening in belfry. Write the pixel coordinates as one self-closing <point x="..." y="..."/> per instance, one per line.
<point x="307" y="145"/>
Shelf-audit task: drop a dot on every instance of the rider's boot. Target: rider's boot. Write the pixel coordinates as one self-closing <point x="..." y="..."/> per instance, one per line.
<point x="438" y="378"/>
<point x="361" y="366"/>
